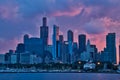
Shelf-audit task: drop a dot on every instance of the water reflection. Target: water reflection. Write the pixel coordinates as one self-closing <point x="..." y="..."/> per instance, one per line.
<point x="58" y="76"/>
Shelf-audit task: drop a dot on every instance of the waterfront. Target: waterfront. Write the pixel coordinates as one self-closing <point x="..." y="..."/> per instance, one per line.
<point x="59" y="76"/>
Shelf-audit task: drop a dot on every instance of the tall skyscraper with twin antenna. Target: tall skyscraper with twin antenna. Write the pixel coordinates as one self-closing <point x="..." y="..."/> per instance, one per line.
<point x="44" y="31"/>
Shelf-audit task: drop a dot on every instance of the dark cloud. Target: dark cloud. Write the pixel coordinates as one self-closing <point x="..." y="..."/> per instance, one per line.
<point x="18" y="17"/>
<point x="94" y="27"/>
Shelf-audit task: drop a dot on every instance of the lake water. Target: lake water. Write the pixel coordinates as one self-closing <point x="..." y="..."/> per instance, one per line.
<point x="58" y="76"/>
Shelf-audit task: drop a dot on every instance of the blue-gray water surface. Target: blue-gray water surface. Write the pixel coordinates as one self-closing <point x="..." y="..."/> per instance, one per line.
<point x="58" y="76"/>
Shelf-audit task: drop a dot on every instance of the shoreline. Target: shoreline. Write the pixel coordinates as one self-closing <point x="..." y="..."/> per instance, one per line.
<point x="64" y="72"/>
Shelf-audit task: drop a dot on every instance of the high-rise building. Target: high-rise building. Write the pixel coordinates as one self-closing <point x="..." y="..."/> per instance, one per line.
<point x="90" y="53"/>
<point x="104" y="56"/>
<point x="70" y="36"/>
<point x="33" y="45"/>
<point x="20" y="48"/>
<point x="65" y="53"/>
<point x="86" y="56"/>
<point x="70" y="44"/>
<point x="75" y="55"/>
<point x="60" y="47"/>
<point x="75" y="45"/>
<point x="94" y="52"/>
<point x="61" y="38"/>
<point x="44" y="32"/>
<point x="55" y="41"/>
<point x="26" y="37"/>
<point x="82" y="43"/>
<point x="111" y="47"/>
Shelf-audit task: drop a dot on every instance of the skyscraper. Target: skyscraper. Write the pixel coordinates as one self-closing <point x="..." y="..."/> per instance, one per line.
<point x="61" y="38"/>
<point x="33" y="44"/>
<point x="82" y="42"/>
<point x="55" y="41"/>
<point x="65" y="53"/>
<point x="76" y="55"/>
<point x="70" y="44"/>
<point x="111" y="47"/>
<point x="94" y="52"/>
<point x="60" y="46"/>
<point x="44" y="32"/>
<point x="70" y="35"/>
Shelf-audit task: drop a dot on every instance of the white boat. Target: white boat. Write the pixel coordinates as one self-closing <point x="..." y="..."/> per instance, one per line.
<point x="89" y="66"/>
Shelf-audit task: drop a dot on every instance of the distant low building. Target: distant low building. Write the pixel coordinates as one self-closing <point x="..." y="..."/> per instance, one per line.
<point x="90" y="53"/>
<point x="8" y="56"/>
<point x="28" y="58"/>
<point x="2" y="58"/>
<point x="86" y="56"/>
<point x="13" y="59"/>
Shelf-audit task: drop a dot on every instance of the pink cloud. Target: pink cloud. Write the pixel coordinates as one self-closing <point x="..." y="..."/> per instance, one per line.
<point x="6" y="45"/>
<point x="72" y="12"/>
<point x="9" y="12"/>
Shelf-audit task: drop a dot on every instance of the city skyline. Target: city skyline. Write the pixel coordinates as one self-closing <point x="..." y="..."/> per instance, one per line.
<point x="61" y="50"/>
<point x="44" y="37"/>
<point x="80" y="16"/>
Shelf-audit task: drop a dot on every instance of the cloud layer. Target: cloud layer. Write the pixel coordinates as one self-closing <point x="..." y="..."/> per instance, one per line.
<point x="95" y="18"/>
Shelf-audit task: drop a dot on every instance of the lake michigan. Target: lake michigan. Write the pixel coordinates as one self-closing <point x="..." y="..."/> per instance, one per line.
<point x="58" y="76"/>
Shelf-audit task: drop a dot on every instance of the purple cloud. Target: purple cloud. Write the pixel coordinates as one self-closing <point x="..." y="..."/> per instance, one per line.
<point x="18" y="17"/>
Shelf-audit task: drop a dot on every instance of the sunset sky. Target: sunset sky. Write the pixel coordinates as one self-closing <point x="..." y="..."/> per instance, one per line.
<point x="95" y="18"/>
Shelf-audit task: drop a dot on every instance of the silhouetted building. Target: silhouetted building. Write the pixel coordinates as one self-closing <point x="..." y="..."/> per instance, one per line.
<point x="60" y="47"/>
<point x="61" y="38"/>
<point x="111" y="47"/>
<point x="2" y="58"/>
<point x="75" y="55"/>
<point x="65" y="53"/>
<point x="94" y="53"/>
<point x="86" y="55"/>
<point x="49" y="48"/>
<point x="8" y="56"/>
<point x="70" y="44"/>
<point x="55" y="41"/>
<point x="28" y="58"/>
<point x="33" y="45"/>
<point x="20" y="48"/>
<point x="70" y="36"/>
<point x="48" y="57"/>
<point x="91" y="53"/>
<point x="25" y="39"/>
<point x="82" y="43"/>
<point x="14" y="58"/>
<point x="44" y="31"/>
<point x="104" y="56"/>
<point x="75" y="45"/>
